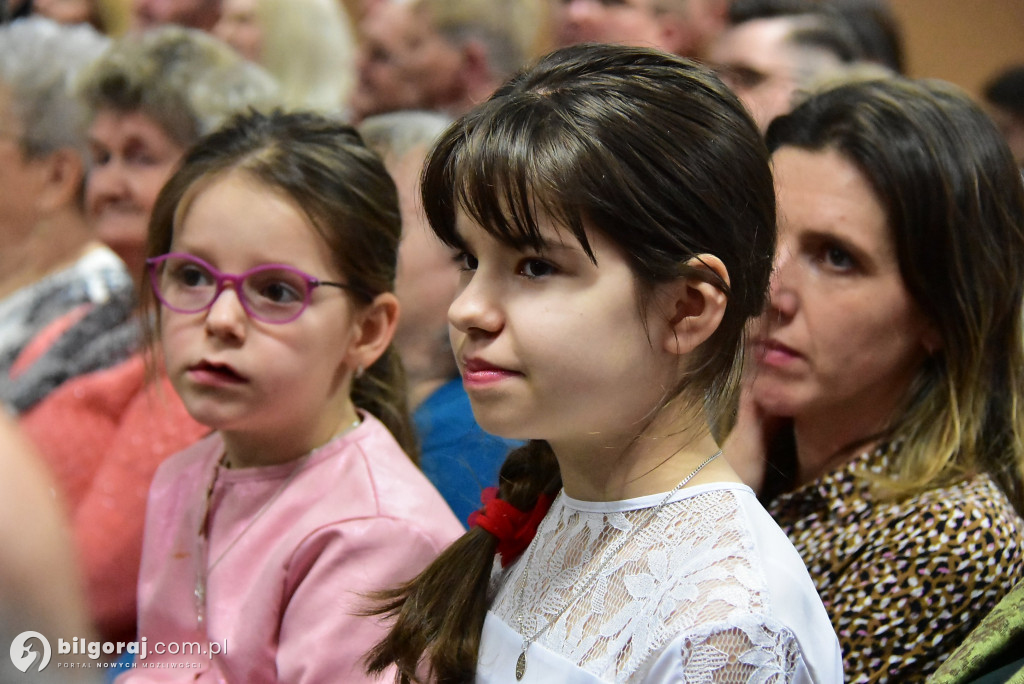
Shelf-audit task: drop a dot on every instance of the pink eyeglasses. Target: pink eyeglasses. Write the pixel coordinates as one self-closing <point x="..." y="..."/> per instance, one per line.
<point x="272" y="293"/>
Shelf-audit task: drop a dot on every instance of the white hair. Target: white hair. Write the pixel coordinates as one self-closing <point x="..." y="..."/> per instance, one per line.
<point x="39" y="62"/>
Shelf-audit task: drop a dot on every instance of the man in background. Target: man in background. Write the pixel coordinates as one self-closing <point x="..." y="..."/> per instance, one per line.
<point x="772" y="50"/>
<point x="198" y="14"/>
<point x="682" y="27"/>
<point x="440" y="55"/>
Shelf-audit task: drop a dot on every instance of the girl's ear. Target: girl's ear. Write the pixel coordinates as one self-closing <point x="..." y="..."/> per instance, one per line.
<point x="375" y="327"/>
<point x="694" y="307"/>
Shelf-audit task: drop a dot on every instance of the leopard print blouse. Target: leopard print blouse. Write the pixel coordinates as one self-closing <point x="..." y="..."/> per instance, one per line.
<point x="903" y="582"/>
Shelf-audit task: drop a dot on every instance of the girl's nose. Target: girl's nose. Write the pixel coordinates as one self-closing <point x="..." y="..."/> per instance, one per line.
<point x="226" y="317"/>
<point x="475" y="308"/>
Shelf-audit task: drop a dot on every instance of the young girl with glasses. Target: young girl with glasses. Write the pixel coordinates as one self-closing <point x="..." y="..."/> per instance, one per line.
<point x="613" y="212"/>
<point x="272" y="258"/>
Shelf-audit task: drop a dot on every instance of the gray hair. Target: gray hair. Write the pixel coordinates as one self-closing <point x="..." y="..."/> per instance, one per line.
<point x="184" y="79"/>
<point x="39" y="60"/>
<point x="396" y="134"/>
<point x="507" y="28"/>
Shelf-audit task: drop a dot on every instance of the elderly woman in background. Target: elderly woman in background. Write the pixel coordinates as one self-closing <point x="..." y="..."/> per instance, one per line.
<point x="50" y="260"/>
<point x="106" y="16"/>
<point x="890" y="367"/>
<point x="104" y="433"/>
<point x="153" y="95"/>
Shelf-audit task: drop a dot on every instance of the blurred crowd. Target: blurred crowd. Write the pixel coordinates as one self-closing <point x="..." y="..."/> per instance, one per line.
<point x="101" y="100"/>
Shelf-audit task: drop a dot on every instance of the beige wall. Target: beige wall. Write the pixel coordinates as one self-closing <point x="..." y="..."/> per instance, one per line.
<point x="963" y="41"/>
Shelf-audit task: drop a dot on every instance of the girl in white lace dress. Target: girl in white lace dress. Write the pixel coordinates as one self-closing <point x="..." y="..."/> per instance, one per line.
<point x="613" y="212"/>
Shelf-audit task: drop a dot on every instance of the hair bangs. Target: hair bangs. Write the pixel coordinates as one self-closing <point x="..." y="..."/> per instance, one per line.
<point x="508" y="169"/>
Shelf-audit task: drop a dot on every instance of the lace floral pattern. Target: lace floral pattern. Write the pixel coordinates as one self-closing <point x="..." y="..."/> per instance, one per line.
<point x="690" y="573"/>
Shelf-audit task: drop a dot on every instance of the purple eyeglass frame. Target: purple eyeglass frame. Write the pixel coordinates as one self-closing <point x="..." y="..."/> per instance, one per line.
<point x="153" y="264"/>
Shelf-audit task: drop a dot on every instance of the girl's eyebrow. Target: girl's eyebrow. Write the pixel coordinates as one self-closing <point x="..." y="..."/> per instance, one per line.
<point x="563" y="240"/>
<point x="551" y="240"/>
<point x="544" y="247"/>
<point x="548" y="246"/>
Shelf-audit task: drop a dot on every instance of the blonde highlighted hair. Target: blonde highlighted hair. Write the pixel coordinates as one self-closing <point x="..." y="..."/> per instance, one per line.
<point x="954" y="202"/>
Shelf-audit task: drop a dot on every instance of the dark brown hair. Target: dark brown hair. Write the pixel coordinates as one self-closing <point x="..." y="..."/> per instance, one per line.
<point x="347" y="195"/>
<point x="954" y="203"/>
<point x="652" y="151"/>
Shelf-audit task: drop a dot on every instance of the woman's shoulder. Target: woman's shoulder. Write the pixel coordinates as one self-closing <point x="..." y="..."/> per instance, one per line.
<point x="972" y="506"/>
<point x="106" y="392"/>
<point x="977" y="492"/>
<point x="853" y="502"/>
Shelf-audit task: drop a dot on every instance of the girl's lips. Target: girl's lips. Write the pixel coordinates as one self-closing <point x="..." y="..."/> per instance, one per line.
<point x="771" y="353"/>
<point x="477" y="373"/>
<point x="215" y="374"/>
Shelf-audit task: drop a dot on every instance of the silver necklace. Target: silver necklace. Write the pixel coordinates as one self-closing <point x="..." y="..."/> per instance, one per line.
<point x="203" y="570"/>
<point x="606" y="558"/>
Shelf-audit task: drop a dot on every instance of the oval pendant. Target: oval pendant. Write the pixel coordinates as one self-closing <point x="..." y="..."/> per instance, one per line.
<point x="521" y="666"/>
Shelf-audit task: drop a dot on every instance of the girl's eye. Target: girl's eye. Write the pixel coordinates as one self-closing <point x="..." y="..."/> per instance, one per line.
<point x="190" y="275"/>
<point x="536" y="268"/>
<point x="280" y="292"/>
<point x="466" y="261"/>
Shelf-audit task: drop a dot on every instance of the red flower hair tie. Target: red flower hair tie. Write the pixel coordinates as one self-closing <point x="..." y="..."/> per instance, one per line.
<point x="514" y="528"/>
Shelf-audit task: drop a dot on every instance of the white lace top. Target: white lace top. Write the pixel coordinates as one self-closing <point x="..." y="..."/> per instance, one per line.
<point x="711" y="590"/>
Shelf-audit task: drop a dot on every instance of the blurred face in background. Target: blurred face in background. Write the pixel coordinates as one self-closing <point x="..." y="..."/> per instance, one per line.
<point x="200" y="14"/>
<point x="755" y="61"/>
<point x="132" y="158"/>
<point x="66" y="11"/>
<point x="629" y="22"/>
<point x="239" y="27"/>
<point x="403" y="63"/>
<point x="760" y="63"/>
<point x="426" y="279"/>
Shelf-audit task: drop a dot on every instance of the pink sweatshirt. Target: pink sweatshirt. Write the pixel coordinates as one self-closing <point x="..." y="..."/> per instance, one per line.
<point x="288" y="577"/>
